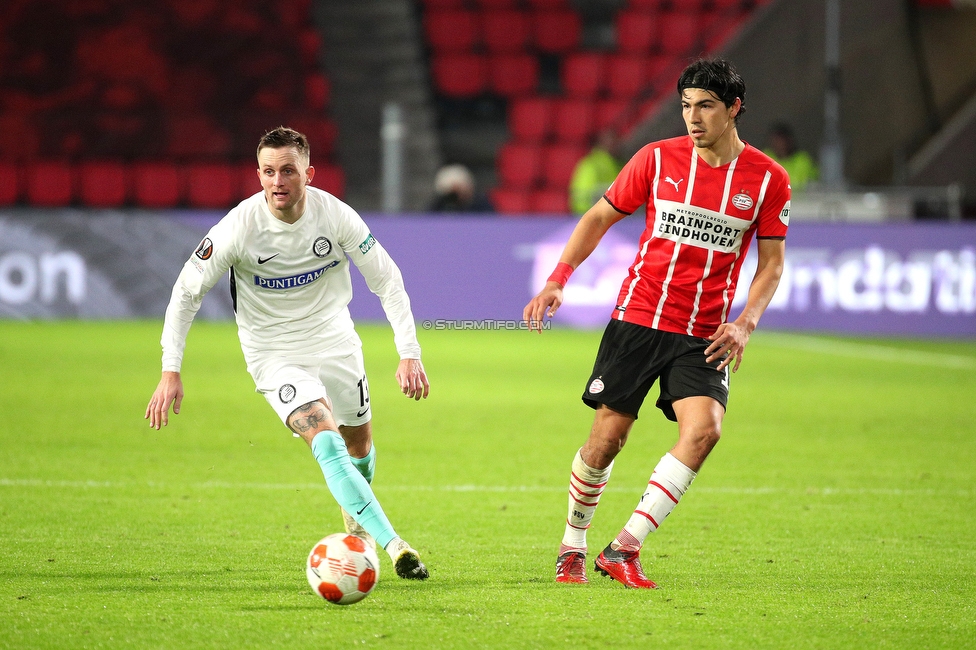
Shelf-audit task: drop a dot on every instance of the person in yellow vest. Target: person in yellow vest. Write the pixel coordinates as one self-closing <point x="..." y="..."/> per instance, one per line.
<point x="799" y="164"/>
<point x="594" y="173"/>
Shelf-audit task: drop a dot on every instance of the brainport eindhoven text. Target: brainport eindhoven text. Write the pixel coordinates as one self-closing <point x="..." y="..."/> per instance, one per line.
<point x="485" y="324"/>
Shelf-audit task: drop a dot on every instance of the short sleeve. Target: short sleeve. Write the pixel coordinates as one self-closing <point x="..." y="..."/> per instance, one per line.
<point x="632" y="187"/>
<point x="774" y="216"/>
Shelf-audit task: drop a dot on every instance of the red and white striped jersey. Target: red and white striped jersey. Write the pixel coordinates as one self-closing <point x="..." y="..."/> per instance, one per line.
<point x="700" y="222"/>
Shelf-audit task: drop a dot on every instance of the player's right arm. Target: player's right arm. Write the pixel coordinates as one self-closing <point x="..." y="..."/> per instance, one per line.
<point x="592" y="226"/>
<point x="212" y="258"/>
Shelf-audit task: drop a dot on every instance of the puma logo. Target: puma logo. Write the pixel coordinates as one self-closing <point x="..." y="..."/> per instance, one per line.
<point x="668" y="179"/>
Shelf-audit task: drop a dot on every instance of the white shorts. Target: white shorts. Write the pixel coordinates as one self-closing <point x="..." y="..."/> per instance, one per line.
<point x="291" y="380"/>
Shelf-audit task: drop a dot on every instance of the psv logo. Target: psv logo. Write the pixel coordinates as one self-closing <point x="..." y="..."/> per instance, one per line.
<point x="742" y="201"/>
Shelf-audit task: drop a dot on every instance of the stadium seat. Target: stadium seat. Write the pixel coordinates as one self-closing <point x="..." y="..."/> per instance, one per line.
<point x="583" y="74"/>
<point x="103" y="184"/>
<point x="248" y="182"/>
<point x="513" y="75"/>
<point x="317" y="91"/>
<point x="558" y="162"/>
<point x="626" y="75"/>
<point x="637" y="31"/>
<point x="195" y="135"/>
<point x="519" y="164"/>
<point x="549" y="4"/>
<point x="495" y="4"/>
<point x="681" y="31"/>
<point x="510" y="201"/>
<point x="451" y="30"/>
<point x="549" y="200"/>
<point x="156" y="185"/>
<point x="9" y="183"/>
<point x="459" y="75"/>
<point x="556" y="31"/>
<point x="506" y="31"/>
<point x="443" y="4"/>
<point x="607" y="113"/>
<point x="573" y="120"/>
<point x="530" y="119"/>
<point x="211" y="185"/>
<point x="320" y="131"/>
<point x="50" y="184"/>
<point x="330" y="178"/>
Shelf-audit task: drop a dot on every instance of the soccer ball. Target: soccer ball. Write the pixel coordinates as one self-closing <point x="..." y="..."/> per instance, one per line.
<point x="342" y="568"/>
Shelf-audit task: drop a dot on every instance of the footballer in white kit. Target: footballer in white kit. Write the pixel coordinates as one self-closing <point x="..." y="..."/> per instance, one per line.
<point x="288" y="250"/>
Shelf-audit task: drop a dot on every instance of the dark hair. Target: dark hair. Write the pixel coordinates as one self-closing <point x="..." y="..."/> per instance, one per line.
<point x="284" y="137"/>
<point x="717" y="76"/>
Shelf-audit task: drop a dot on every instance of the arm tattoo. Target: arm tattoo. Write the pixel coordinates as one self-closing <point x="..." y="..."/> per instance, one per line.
<point x="307" y="417"/>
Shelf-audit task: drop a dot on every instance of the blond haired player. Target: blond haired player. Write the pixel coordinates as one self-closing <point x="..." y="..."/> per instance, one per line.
<point x="288" y="250"/>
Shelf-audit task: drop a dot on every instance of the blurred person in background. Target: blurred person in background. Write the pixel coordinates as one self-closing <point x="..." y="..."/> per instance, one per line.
<point x="707" y="195"/>
<point x="455" y="191"/>
<point x="288" y="250"/>
<point x="594" y="173"/>
<point x="798" y="164"/>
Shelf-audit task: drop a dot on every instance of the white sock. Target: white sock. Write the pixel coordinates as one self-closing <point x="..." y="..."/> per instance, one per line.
<point x="668" y="483"/>
<point x="586" y="484"/>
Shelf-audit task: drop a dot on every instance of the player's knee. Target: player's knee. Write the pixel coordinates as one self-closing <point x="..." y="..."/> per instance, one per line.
<point x="708" y="436"/>
<point x="311" y="418"/>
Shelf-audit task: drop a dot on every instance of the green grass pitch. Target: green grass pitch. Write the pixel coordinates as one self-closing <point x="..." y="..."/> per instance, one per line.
<point x="838" y="511"/>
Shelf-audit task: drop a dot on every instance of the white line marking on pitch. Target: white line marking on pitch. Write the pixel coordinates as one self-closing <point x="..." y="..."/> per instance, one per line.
<point x="821" y="491"/>
<point x="868" y="351"/>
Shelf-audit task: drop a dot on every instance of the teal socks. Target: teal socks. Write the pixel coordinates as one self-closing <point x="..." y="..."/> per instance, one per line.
<point x="367" y="464"/>
<point x="351" y="488"/>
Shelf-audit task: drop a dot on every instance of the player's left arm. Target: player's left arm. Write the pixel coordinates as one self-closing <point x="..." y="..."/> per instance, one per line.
<point x="384" y="279"/>
<point x="730" y="339"/>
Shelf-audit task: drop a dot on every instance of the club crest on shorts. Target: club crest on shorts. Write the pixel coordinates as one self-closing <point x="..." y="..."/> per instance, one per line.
<point x="322" y="247"/>
<point x="596" y="386"/>
<point x="287" y="393"/>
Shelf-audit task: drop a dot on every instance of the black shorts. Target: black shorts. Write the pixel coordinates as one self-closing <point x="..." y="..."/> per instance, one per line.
<point x="632" y="357"/>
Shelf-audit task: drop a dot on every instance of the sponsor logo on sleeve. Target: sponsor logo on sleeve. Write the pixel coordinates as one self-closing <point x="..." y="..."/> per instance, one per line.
<point x="322" y="247"/>
<point x="784" y="216"/>
<point x="205" y="250"/>
<point x="367" y="244"/>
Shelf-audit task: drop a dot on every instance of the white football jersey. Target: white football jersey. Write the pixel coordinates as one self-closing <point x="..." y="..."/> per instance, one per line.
<point x="291" y="282"/>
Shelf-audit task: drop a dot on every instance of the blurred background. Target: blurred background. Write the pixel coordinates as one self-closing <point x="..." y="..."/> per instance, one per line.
<point x="126" y="129"/>
<point x="159" y="104"/>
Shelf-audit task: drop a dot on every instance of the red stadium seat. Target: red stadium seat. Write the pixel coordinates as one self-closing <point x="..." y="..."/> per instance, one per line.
<point x="330" y="178"/>
<point x="637" y="31"/>
<point x="557" y="31"/>
<point x="682" y="31"/>
<point x="510" y="201"/>
<point x="156" y="185"/>
<point x="530" y="119"/>
<point x="50" y="184"/>
<point x="608" y="113"/>
<point x="583" y="74"/>
<point x="211" y="185"/>
<point x="548" y="4"/>
<point x="320" y="131"/>
<point x="558" y="162"/>
<point x="550" y="200"/>
<point x="626" y="75"/>
<point x="573" y="120"/>
<point x="317" y="91"/>
<point x="506" y="31"/>
<point x="9" y="183"/>
<point x="495" y="4"/>
<point x="443" y="4"/>
<point x="103" y="184"/>
<point x="195" y="135"/>
<point x="451" y="30"/>
<point x="512" y="75"/>
<point x="248" y="182"/>
<point x="460" y="75"/>
<point x="519" y="164"/>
